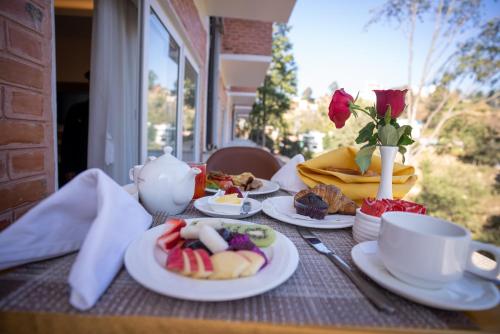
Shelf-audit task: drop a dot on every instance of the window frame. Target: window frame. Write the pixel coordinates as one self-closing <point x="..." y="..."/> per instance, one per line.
<point x="165" y="15"/>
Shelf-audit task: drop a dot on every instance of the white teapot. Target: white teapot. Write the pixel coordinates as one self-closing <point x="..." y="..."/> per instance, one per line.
<point x="166" y="184"/>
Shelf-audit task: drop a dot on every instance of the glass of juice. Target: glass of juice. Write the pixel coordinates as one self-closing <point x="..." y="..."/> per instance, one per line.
<point x="201" y="179"/>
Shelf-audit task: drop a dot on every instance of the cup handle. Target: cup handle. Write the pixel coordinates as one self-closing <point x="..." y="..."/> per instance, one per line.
<point x="471" y="267"/>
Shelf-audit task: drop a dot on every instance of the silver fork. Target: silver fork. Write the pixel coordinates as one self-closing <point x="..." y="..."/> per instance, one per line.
<point x="159" y="218"/>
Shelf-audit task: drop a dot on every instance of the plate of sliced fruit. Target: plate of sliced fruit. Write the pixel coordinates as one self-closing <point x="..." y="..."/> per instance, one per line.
<point x="211" y="259"/>
<point x="217" y="180"/>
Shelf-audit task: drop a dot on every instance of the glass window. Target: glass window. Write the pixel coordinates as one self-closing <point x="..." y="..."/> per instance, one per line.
<point x="163" y="77"/>
<point x="189" y="112"/>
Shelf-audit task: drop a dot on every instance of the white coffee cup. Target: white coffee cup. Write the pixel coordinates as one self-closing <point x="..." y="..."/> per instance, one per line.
<point x="429" y="252"/>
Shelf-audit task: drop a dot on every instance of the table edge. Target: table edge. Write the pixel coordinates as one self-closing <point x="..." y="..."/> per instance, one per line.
<point x="54" y="323"/>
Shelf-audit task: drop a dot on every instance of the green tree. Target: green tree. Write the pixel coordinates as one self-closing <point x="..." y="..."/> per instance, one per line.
<point x="280" y="83"/>
<point x="472" y="140"/>
<point x="449" y="61"/>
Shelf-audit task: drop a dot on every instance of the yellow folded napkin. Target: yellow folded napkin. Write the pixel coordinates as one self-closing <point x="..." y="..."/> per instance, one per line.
<point x="356" y="187"/>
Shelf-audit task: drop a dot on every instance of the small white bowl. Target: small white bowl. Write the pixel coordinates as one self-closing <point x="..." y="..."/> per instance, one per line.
<point x="227" y="208"/>
<point x="365" y="227"/>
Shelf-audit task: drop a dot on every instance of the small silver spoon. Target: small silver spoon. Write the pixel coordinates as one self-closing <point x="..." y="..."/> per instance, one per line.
<point x="245" y="209"/>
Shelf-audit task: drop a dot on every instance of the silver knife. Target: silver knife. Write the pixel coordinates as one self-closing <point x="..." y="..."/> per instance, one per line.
<point x="373" y="295"/>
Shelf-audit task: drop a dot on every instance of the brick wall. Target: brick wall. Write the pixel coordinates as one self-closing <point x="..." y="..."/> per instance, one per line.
<point x="190" y="20"/>
<point x="247" y="37"/>
<point x="188" y="14"/>
<point x="26" y="124"/>
<point x="244" y="89"/>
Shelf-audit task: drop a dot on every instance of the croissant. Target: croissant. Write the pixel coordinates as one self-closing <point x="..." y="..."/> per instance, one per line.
<point x="348" y="207"/>
<point x="336" y="200"/>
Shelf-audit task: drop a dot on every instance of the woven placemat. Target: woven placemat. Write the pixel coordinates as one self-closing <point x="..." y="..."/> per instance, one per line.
<point x="317" y="294"/>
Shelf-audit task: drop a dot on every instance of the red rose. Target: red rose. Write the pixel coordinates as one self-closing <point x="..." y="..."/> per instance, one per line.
<point x="392" y="97"/>
<point x="339" y="108"/>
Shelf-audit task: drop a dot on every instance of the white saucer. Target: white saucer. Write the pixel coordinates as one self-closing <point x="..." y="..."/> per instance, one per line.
<point x="470" y="293"/>
<point x="282" y="209"/>
<point x="202" y="205"/>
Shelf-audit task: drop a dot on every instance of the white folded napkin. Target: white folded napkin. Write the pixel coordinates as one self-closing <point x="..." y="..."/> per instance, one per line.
<point x="91" y="213"/>
<point x="287" y="176"/>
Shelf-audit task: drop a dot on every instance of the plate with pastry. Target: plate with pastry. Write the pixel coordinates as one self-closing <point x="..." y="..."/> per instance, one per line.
<point x="211" y="259"/>
<point x="323" y="206"/>
<point x="245" y="182"/>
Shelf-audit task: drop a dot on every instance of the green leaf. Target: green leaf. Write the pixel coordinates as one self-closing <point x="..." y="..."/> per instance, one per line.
<point x="373" y="140"/>
<point x="364" y="157"/>
<point x="388" y="135"/>
<point x="402" y="150"/>
<point x="373" y="112"/>
<point x="365" y="133"/>
<point x="387" y="117"/>
<point x="405" y="140"/>
<point x="405" y="129"/>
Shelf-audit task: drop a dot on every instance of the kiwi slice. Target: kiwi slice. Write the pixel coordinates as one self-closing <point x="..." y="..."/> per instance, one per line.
<point x="261" y="236"/>
<point x="231" y="227"/>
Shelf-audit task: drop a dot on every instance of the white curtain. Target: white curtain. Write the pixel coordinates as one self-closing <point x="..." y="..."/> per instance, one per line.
<point x="114" y="88"/>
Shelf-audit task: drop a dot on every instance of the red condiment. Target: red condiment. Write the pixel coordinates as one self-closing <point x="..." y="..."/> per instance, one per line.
<point x="201" y="179"/>
<point x="376" y="208"/>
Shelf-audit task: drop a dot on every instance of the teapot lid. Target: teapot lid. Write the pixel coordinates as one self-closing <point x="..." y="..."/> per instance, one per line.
<point x="168" y="150"/>
<point x="168" y="158"/>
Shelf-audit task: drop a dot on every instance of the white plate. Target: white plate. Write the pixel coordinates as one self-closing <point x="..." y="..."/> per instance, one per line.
<point x="330" y="221"/>
<point x="470" y="293"/>
<point x="202" y="205"/>
<point x="144" y="260"/>
<point x="268" y="187"/>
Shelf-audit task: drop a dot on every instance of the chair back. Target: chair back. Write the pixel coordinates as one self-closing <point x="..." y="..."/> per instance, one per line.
<point x="236" y="160"/>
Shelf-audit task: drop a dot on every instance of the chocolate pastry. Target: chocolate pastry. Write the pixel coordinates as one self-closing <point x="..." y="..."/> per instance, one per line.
<point x="310" y="205"/>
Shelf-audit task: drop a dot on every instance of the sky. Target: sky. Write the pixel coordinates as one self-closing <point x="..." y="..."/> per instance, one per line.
<point x="331" y="43"/>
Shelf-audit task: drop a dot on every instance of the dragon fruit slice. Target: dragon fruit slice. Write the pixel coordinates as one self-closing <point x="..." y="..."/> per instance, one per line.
<point x="241" y="242"/>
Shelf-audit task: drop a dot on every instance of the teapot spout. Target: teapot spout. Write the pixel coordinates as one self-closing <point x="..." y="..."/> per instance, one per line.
<point x="181" y="195"/>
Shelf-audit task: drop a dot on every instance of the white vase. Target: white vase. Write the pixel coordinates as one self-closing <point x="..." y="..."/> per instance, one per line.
<point x="387" y="154"/>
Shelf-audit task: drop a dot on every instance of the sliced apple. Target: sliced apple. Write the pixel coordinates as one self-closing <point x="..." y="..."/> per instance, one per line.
<point x="207" y="263"/>
<point x="193" y="263"/>
<point x="186" y="269"/>
<point x="204" y="264"/>
<point x="227" y="265"/>
<point x="256" y="262"/>
<point x="175" y="260"/>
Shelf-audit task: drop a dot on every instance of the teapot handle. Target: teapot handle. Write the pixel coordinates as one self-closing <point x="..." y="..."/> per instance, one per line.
<point x="168" y="149"/>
